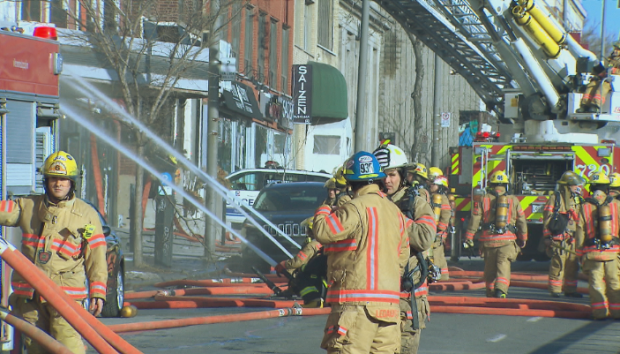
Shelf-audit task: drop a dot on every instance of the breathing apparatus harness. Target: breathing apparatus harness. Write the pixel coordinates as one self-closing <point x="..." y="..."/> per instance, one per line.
<point x="425" y="266"/>
<point x="604" y="238"/>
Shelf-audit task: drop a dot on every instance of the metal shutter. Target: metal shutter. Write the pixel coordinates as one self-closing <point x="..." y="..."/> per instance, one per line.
<point x="44" y="148"/>
<point x="20" y="156"/>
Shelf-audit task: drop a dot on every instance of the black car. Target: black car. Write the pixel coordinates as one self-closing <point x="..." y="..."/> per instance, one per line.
<point x="285" y="205"/>
<point x="115" y="296"/>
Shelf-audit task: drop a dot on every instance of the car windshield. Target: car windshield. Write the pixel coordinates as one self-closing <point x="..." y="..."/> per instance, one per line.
<point x="291" y="197"/>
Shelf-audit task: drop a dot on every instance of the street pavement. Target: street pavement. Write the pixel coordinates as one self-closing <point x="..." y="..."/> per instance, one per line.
<point x="445" y="333"/>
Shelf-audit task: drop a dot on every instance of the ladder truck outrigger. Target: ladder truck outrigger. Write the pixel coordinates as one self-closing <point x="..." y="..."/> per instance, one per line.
<point x="543" y="131"/>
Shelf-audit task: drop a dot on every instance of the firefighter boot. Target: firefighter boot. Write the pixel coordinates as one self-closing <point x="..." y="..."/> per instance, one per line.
<point x="555" y="294"/>
<point x="500" y="294"/>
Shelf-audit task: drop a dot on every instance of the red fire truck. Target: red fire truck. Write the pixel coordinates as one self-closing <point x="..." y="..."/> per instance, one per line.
<point x="30" y="66"/>
<point x="533" y="169"/>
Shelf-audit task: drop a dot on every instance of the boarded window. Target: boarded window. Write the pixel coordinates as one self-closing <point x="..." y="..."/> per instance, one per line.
<point x="325" y="24"/>
<point x="284" y="64"/>
<point x="273" y="57"/>
<point x="326" y="145"/>
<point x="249" y="40"/>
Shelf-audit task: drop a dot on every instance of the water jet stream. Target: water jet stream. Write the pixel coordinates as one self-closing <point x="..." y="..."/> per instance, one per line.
<point x="236" y="203"/>
<point x="75" y="116"/>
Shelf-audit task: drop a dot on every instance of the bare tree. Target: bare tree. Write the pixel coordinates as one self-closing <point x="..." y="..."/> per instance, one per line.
<point x="151" y="45"/>
<point x="591" y="37"/>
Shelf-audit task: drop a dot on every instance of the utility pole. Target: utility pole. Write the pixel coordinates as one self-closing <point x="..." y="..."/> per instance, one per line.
<point x="213" y="201"/>
<point x="437" y="90"/>
<point x="362" y="138"/>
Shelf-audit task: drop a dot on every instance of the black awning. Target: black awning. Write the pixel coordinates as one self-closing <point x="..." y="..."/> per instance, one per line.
<point x="241" y="100"/>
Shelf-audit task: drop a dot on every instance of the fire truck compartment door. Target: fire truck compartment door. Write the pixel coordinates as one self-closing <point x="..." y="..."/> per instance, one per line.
<point x="20" y="146"/>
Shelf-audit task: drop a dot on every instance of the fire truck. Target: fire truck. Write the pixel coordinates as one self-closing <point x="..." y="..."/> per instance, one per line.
<point x="30" y="65"/>
<point x="533" y="170"/>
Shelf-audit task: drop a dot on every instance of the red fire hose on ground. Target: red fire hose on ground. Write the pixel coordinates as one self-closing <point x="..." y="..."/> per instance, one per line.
<point x="284" y="312"/>
<point x="96" y="333"/>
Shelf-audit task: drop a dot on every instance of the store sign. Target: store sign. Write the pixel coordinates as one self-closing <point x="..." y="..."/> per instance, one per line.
<point x="302" y="94"/>
<point x="241" y="99"/>
<point x="287" y="111"/>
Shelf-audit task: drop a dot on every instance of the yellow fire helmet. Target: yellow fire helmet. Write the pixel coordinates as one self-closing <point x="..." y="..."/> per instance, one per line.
<point x="572" y="179"/>
<point x="599" y="178"/>
<point x="615" y="180"/>
<point x="339" y="178"/>
<point x="420" y="170"/>
<point x="60" y="164"/>
<point x="499" y="177"/>
<point x="434" y="172"/>
<point x="330" y="183"/>
<point x="441" y="181"/>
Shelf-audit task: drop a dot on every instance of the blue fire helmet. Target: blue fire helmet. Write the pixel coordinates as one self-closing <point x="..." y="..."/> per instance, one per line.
<point x="363" y="166"/>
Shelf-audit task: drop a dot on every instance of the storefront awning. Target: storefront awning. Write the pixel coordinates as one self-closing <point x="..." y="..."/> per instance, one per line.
<point x="319" y="94"/>
<point x="329" y="94"/>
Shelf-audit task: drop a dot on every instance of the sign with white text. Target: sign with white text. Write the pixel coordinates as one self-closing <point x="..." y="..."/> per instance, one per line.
<point x="302" y="94"/>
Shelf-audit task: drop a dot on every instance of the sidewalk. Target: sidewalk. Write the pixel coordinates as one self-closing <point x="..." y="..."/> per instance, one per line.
<point x="188" y="262"/>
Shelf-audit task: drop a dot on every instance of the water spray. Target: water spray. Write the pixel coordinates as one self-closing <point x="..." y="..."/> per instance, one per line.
<point x="94" y="93"/>
<point x="125" y="151"/>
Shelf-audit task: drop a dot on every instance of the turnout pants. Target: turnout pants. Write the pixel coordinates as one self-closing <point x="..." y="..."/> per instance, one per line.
<point x="592" y="96"/>
<point x="563" y="268"/>
<point x="439" y="258"/>
<point x="409" y="337"/>
<point x="353" y="329"/>
<point x="604" y="287"/>
<point x="46" y="318"/>
<point x="497" y="266"/>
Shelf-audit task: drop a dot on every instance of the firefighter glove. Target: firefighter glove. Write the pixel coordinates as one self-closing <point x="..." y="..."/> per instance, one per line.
<point x="468" y="244"/>
<point x="280" y="268"/>
<point x="521" y="243"/>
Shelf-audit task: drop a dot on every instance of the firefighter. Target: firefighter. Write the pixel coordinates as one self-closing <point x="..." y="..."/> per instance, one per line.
<point x="332" y="192"/>
<point x="366" y="246"/>
<point x="594" y="97"/>
<point x="561" y="219"/>
<point x="504" y="232"/>
<point x="417" y="176"/>
<point x="341" y="183"/>
<point x="614" y="186"/>
<point x="421" y="232"/>
<point x="442" y="213"/>
<point x="598" y="246"/>
<point x="62" y="235"/>
<point x="308" y="269"/>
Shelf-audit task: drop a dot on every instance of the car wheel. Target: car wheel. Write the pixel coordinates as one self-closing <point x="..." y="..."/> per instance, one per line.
<point x="115" y="298"/>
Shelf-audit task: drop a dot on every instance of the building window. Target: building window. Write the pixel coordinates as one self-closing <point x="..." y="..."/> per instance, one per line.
<point x="273" y="55"/>
<point x="325" y="24"/>
<point x="263" y="44"/>
<point x="249" y="40"/>
<point x="306" y="26"/>
<point x="31" y="10"/>
<point x="326" y="145"/>
<point x="284" y="64"/>
<point x="236" y="28"/>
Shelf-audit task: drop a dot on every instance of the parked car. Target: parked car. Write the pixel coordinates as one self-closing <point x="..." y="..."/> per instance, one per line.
<point x="246" y="184"/>
<point x="115" y="296"/>
<point x="286" y="205"/>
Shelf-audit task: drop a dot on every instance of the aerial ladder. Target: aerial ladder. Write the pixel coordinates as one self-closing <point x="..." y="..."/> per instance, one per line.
<point x="519" y="60"/>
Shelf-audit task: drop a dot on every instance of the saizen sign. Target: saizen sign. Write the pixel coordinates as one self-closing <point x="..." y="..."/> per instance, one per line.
<point x="302" y="94"/>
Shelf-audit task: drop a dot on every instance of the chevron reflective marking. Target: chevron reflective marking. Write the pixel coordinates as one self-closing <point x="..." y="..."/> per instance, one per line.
<point x="456" y="159"/>
<point x="462" y="204"/>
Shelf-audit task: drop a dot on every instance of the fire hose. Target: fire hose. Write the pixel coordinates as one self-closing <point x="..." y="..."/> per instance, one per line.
<point x="33" y="332"/>
<point x="284" y="312"/>
<point x="95" y="332"/>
